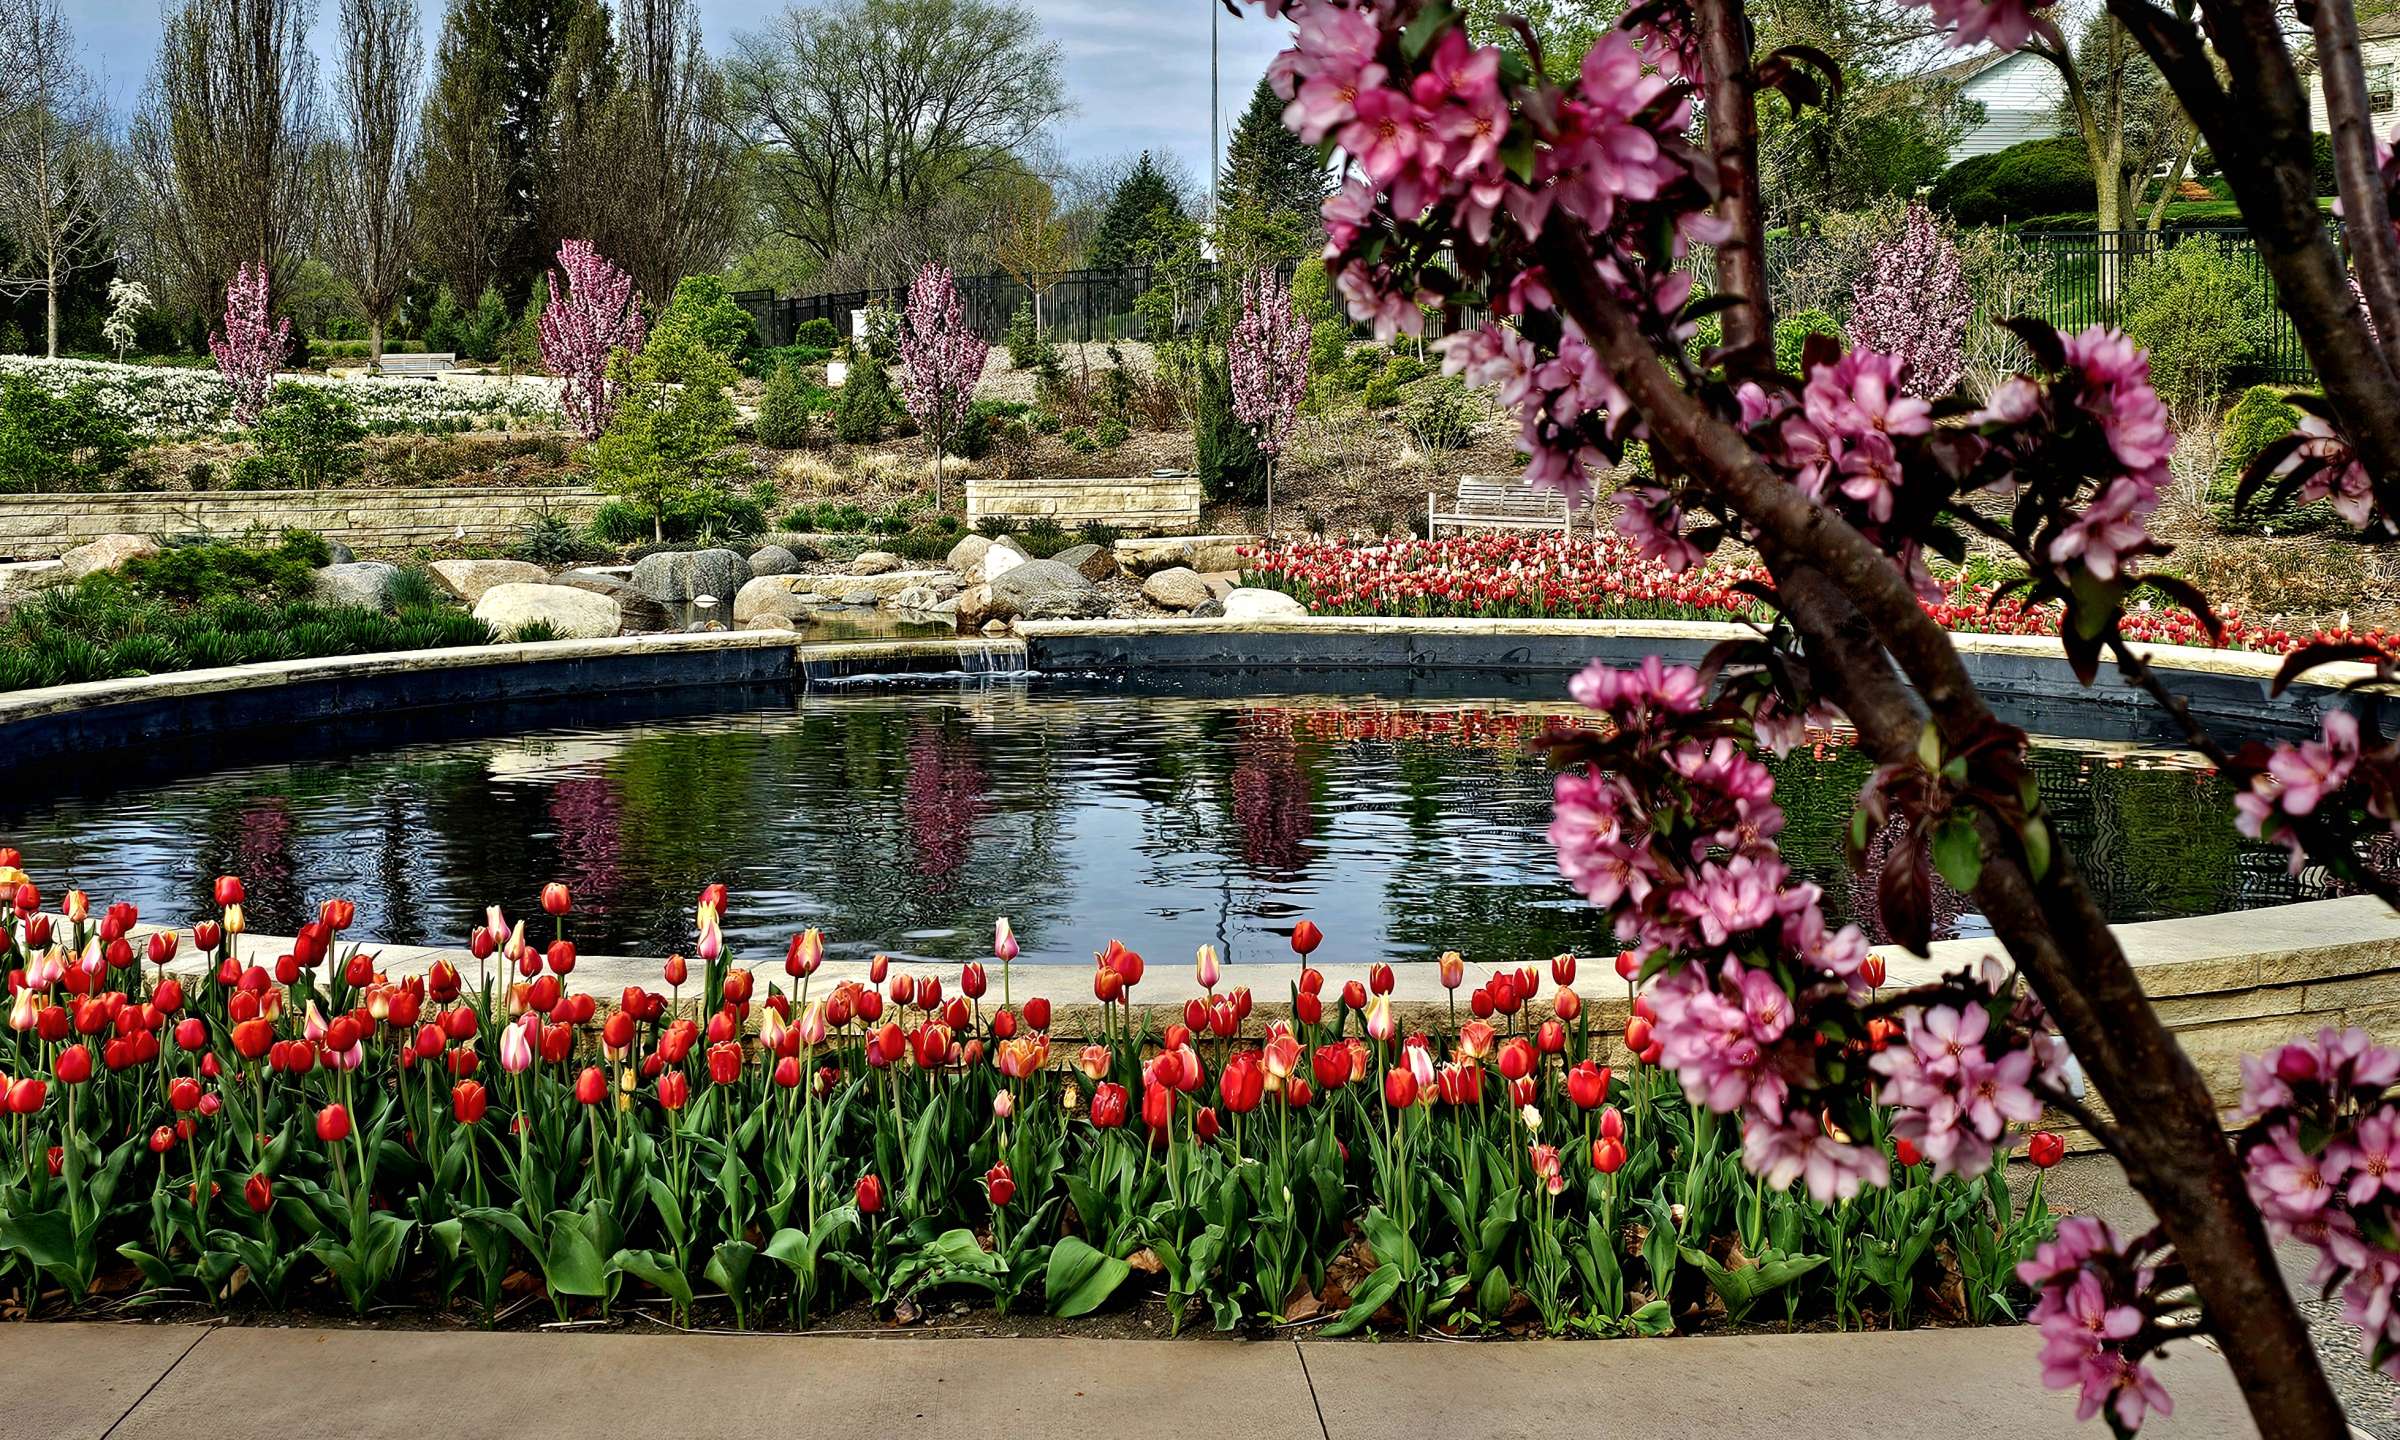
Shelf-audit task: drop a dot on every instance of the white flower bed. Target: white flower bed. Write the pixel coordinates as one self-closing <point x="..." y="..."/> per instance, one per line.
<point x="169" y="402"/>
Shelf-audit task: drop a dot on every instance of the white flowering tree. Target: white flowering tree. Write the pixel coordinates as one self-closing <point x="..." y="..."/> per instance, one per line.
<point x="251" y="347"/>
<point x="941" y="359"/>
<point x="1266" y="360"/>
<point x="128" y="302"/>
<point x="1563" y="194"/>
<point x="593" y="315"/>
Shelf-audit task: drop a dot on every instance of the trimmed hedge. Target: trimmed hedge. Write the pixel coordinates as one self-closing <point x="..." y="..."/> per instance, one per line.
<point x="2039" y="177"/>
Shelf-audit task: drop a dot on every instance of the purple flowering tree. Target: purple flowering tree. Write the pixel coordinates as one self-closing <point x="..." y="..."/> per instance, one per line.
<point x="1913" y="304"/>
<point x="1560" y="194"/>
<point x="941" y="359"/>
<point x="251" y="348"/>
<point x="1266" y="359"/>
<point x="593" y="314"/>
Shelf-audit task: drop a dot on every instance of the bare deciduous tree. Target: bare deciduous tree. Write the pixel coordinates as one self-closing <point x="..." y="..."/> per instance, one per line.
<point x="675" y="179"/>
<point x="371" y="215"/>
<point x="221" y="145"/>
<point x="866" y="114"/>
<point x="57" y="196"/>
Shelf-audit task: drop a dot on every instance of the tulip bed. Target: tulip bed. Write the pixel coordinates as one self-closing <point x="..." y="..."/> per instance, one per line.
<point x="1550" y="576"/>
<point x="301" y="1130"/>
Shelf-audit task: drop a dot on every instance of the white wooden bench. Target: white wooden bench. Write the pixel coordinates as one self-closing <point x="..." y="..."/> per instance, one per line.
<point x="431" y="364"/>
<point x="1498" y="505"/>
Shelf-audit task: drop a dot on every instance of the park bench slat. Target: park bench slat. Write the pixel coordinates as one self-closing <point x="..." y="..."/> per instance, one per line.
<point x="1498" y="505"/>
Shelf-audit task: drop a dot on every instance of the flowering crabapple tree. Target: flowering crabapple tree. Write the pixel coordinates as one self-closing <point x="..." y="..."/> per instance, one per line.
<point x="1266" y="359"/>
<point x="941" y="359"/>
<point x="1564" y="196"/>
<point x="1913" y="304"/>
<point x="593" y="314"/>
<point x="251" y="348"/>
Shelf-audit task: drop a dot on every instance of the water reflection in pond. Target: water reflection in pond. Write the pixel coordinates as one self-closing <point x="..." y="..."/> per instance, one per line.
<point x="904" y="821"/>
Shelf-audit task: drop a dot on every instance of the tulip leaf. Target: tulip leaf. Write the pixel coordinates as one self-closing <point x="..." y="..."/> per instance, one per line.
<point x="729" y="1267"/>
<point x="656" y="1269"/>
<point x="1372" y="1295"/>
<point x="572" y="1264"/>
<point x="1080" y="1279"/>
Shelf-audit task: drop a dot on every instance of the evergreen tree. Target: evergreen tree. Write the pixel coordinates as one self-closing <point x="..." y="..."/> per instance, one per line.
<point x="1142" y="206"/>
<point x="488" y="176"/>
<point x="1274" y="181"/>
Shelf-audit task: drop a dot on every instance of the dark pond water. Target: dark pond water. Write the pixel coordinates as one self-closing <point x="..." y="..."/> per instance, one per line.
<point x="905" y="820"/>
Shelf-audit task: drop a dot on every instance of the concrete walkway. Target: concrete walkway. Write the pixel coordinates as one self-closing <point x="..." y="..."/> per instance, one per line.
<point x="177" y="1382"/>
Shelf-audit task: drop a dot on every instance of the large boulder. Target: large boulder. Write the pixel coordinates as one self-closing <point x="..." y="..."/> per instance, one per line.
<point x="572" y="612"/>
<point x="1096" y="563"/>
<point x="1148" y="555"/>
<point x="1255" y="604"/>
<point x="469" y="579"/>
<point x="875" y="562"/>
<point x="974" y="605"/>
<point x="997" y="561"/>
<point x="1045" y="590"/>
<point x="773" y="560"/>
<point x="1177" y="589"/>
<point x="677" y="577"/>
<point x="803" y="546"/>
<point x="639" y="614"/>
<point x="109" y="552"/>
<point x="968" y="553"/>
<point x="366" y="584"/>
<point x="788" y="597"/>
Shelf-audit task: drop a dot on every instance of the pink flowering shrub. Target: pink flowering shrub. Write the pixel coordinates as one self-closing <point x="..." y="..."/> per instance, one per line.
<point x="941" y="360"/>
<point x="593" y="315"/>
<point x="250" y="349"/>
<point x="1913" y="305"/>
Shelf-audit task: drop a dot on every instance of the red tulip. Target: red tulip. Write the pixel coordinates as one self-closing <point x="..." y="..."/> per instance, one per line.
<point x="258" y="1192"/>
<point x="1296" y="1093"/>
<point x="1608" y="1155"/>
<point x="1562" y="969"/>
<point x="971" y="980"/>
<point x="25" y="1096"/>
<point x="1004" y="1024"/>
<point x="1871" y="970"/>
<point x="1000" y="1186"/>
<point x="1399" y="1087"/>
<point x="1587" y="1085"/>
<point x="1551" y="1036"/>
<point x="676" y="971"/>
<point x="73" y="1066"/>
<point x="1516" y="1057"/>
<point x="183" y="1094"/>
<point x="1566" y="1004"/>
<point x="229" y="891"/>
<point x="1354" y="995"/>
<point x="162" y="946"/>
<point x="1308" y="1008"/>
<point x="787" y="1072"/>
<point x="1205" y="1123"/>
<point x="1453" y="969"/>
<point x="1109" y="1102"/>
<point x="1244" y="1083"/>
<point x="591" y="1087"/>
<point x="2045" y="1149"/>
<point x="191" y="1033"/>
<point x="333" y="1124"/>
<point x="1629" y="965"/>
<point x="562" y="957"/>
<point x="1158" y="1105"/>
<point x="724" y="1062"/>
<point x="1380" y="978"/>
<point x="1637" y="1034"/>
<point x="207" y="934"/>
<point x="1312" y="980"/>
<point x="870" y="1195"/>
<point x="1331" y="1065"/>
<point x="468" y="1102"/>
<point x="1907" y="1152"/>
<point x="674" y="1089"/>
<point x="1037" y="1013"/>
<point x="1306" y="937"/>
<point x="556" y="899"/>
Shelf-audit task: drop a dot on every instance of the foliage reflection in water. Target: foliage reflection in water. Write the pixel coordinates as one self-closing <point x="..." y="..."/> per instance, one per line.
<point x="904" y="821"/>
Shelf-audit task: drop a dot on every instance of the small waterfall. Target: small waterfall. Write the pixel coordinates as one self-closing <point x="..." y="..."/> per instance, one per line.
<point x="973" y="658"/>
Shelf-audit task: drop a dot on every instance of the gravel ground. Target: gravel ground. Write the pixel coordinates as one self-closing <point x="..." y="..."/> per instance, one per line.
<point x="2093" y="1185"/>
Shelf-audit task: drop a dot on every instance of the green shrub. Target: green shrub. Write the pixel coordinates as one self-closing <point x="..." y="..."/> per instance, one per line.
<point x="2262" y="416"/>
<point x="1792" y="332"/>
<point x="1383" y="392"/>
<point x="664" y="452"/>
<point x="57" y="443"/>
<point x="411" y="587"/>
<point x="866" y="405"/>
<point x="818" y="333"/>
<point x="1079" y="440"/>
<point x="310" y="434"/>
<point x="1045" y="537"/>
<point x="2038" y="177"/>
<point x="1230" y="464"/>
<point x="2201" y="313"/>
<point x="1028" y="348"/>
<point x="784" y="410"/>
<point x="992" y="527"/>
<point x="549" y="540"/>
<point x="1441" y="418"/>
<point x="703" y="314"/>
<point x="200" y="574"/>
<point x="1112" y="432"/>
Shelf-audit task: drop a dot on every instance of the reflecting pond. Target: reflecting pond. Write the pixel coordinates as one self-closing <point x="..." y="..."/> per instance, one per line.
<point x="904" y="820"/>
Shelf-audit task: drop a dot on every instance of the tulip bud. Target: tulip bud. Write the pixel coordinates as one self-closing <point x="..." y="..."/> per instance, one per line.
<point x="1380" y="979"/>
<point x="1306" y="937"/>
<point x="1907" y="1153"/>
<point x="1205" y="963"/>
<point x="333" y="1124"/>
<point x="1608" y="1155"/>
<point x="2045" y="1149"/>
<point x="1562" y="969"/>
<point x="676" y="971"/>
<point x="73" y="1066"/>
<point x="468" y="1102"/>
<point x="258" y="1193"/>
<point x="1399" y="1087"/>
<point x="1629" y="965"/>
<point x="557" y="900"/>
<point x="1000" y="1185"/>
<point x="1453" y="969"/>
<point x="1871" y="970"/>
<point x="1037" y="1012"/>
<point x="674" y="1089"/>
<point x="1004" y="941"/>
<point x="869" y="1195"/>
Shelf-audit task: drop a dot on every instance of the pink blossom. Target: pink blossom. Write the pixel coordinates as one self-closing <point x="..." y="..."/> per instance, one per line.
<point x="1267" y="360"/>
<point x="2109" y="530"/>
<point x="1797" y="1147"/>
<point x="2313" y="769"/>
<point x="1913" y="304"/>
<point x="1727" y="900"/>
<point x="1862" y="393"/>
<point x="249" y="350"/>
<point x="1653" y="684"/>
<point x="2116" y="376"/>
<point x="2004" y="24"/>
<point x="941" y="357"/>
<point x="593" y="314"/>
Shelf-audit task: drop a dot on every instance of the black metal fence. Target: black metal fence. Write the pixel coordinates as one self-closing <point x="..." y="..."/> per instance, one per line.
<point x="2079" y="279"/>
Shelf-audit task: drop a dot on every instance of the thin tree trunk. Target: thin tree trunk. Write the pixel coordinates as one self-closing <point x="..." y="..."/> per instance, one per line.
<point x="375" y="342"/>
<point x="50" y="304"/>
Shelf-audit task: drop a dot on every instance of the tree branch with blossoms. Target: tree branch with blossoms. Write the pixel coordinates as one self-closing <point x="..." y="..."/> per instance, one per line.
<point x="251" y="347"/>
<point x="1266" y="362"/>
<point x="941" y="359"/>
<point x="1569" y="204"/>
<point x="593" y="315"/>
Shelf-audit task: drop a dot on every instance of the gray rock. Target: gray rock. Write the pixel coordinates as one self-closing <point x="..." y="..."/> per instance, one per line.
<point x="875" y="562"/>
<point x="802" y="546"/>
<point x="109" y="552"/>
<point x="773" y="560"/>
<point x="1254" y="604"/>
<point x="1046" y="590"/>
<point x="997" y="561"/>
<point x="366" y="584"/>
<point x="1212" y="610"/>
<point x="336" y="553"/>
<point x="1216" y="555"/>
<point x="639" y="613"/>
<point x="674" y="577"/>
<point x="573" y="612"/>
<point x="1176" y="589"/>
<point x="787" y="596"/>
<point x="867" y="598"/>
<point x="772" y="622"/>
<point x="1094" y="563"/>
<point x="469" y="579"/>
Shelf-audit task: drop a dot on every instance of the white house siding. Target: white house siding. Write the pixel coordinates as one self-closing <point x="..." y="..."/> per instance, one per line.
<point x="2020" y="97"/>
<point x="2381" y="59"/>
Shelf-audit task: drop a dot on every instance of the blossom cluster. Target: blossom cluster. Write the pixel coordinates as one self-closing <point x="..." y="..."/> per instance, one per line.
<point x="593" y="316"/>
<point x="941" y="356"/>
<point x="250" y="349"/>
<point x="2321" y="1155"/>
<point x="1266" y="359"/>
<point x="1913" y="304"/>
<point x="2097" y="1296"/>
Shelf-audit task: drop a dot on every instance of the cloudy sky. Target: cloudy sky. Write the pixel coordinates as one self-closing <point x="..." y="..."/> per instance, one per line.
<point x="1136" y="70"/>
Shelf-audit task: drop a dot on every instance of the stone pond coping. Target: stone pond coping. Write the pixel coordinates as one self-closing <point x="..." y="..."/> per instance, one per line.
<point x="2229" y="985"/>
